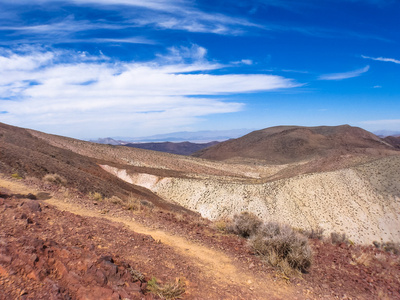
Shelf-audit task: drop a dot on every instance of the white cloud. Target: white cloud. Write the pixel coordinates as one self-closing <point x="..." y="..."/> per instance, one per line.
<point x="396" y="61"/>
<point x="88" y="94"/>
<point x="345" y="75"/>
<point x="164" y="14"/>
<point x="248" y="62"/>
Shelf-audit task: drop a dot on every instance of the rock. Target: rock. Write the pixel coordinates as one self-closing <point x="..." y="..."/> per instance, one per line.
<point x="33" y="275"/>
<point x="33" y="206"/>
<point x="31" y="196"/>
<point x="3" y="272"/>
<point x="60" y="268"/>
<point x="33" y="259"/>
<point x="5" y="259"/>
<point x="95" y="293"/>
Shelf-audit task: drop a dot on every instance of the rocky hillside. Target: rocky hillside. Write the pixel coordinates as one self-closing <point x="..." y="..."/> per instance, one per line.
<point x="352" y="188"/>
<point x="25" y="155"/>
<point x="393" y="140"/>
<point x="289" y="144"/>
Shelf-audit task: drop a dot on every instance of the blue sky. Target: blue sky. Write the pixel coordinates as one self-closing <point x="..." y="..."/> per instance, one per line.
<point x="98" y="68"/>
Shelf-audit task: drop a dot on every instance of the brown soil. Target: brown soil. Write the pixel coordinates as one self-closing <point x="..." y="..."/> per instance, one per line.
<point x="81" y="249"/>
<point x="393" y="140"/>
<point x="289" y="144"/>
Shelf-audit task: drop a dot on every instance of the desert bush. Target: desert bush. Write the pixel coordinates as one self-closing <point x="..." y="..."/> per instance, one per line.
<point x="339" y="238"/>
<point x="136" y="275"/>
<point x="55" y="179"/>
<point x="315" y="233"/>
<point x="166" y="291"/>
<point x="221" y="225"/>
<point x="245" y="224"/>
<point x="281" y="246"/>
<point x="376" y="244"/>
<point x="115" y="200"/>
<point x="96" y="196"/>
<point x="133" y="204"/>
<point x="147" y="204"/>
<point x="391" y="247"/>
<point x="16" y="176"/>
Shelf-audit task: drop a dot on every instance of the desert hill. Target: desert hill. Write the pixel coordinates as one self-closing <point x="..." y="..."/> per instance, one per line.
<point x="25" y="155"/>
<point x="332" y="188"/>
<point x="393" y="140"/>
<point x="182" y="148"/>
<point x="55" y="239"/>
<point x="290" y="144"/>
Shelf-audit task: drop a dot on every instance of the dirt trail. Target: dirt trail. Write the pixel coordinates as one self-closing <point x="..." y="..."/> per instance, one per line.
<point x="213" y="263"/>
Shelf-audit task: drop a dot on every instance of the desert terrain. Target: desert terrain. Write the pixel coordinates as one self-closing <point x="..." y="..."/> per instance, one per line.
<point x="120" y="216"/>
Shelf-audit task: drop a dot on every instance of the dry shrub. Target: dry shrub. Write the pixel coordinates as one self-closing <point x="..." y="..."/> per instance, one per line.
<point x="136" y="275"/>
<point x="315" y="233"/>
<point x="221" y="225"/>
<point x="388" y="247"/>
<point x="278" y="244"/>
<point x="16" y="176"/>
<point x="96" y="196"/>
<point x="339" y="238"/>
<point x="133" y="204"/>
<point x="146" y="203"/>
<point x="55" y="179"/>
<point x="246" y="224"/>
<point x="115" y="200"/>
<point x="282" y="247"/>
<point x="391" y="247"/>
<point x="166" y="291"/>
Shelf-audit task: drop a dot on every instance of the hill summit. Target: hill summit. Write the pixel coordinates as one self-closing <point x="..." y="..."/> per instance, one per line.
<point x="289" y="144"/>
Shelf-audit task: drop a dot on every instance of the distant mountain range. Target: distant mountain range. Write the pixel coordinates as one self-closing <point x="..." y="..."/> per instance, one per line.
<point x="385" y="133"/>
<point x="188" y="143"/>
<point x="183" y="136"/>
<point x="183" y="148"/>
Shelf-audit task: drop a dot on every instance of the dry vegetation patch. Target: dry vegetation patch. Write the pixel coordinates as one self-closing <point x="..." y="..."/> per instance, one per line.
<point x="277" y="244"/>
<point x="55" y="179"/>
<point x="170" y="290"/>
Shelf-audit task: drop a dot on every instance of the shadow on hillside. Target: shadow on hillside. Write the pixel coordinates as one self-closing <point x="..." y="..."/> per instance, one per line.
<point x="38" y="196"/>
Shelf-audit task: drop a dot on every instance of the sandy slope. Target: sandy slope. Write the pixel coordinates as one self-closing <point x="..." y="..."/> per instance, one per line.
<point x="363" y="202"/>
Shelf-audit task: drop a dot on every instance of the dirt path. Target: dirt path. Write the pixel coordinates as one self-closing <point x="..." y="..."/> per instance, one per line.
<point x="213" y="263"/>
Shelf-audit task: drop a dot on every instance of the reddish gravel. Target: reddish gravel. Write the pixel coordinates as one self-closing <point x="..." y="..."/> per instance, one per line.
<point x="49" y="254"/>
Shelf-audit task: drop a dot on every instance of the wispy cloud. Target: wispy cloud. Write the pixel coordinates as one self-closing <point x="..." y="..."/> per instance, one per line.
<point x="345" y="75"/>
<point x="396" y="61"/>
<point x="382" y="122"/>
<point x="162" y="14"/>
<point x="43" y="88"/>
<point x="67" y="31"/>
<point x="247" y="62"/>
